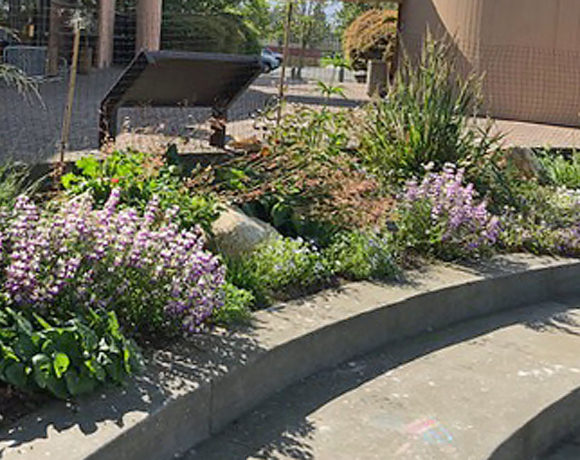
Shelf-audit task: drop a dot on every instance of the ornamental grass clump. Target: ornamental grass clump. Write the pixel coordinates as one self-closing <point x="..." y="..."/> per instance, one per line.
<point x="156" y="277"/>
<point x="427" y="115"/>
<point x="442" y="217"/>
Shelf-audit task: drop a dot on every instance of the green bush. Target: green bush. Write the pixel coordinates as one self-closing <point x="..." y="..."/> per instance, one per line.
<point x="360" y="256"/>
<point x="213" y="32"/>
<point x="562" y="171"/>
<point x="277" y="267"/>
<point x="237" y="306"/>
<point x="425" y="117"/>
<point x="372" y="35"/>
<point x="64" y="359"/>
<point x="140" y="176"/>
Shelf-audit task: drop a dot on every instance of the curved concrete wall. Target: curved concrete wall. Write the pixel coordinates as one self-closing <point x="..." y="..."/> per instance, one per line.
<point x="528" y="50"/>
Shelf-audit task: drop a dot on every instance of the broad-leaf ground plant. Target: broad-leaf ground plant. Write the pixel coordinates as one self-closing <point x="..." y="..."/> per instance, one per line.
<point x="64" y="358"/>
<point x="139" y="177"/>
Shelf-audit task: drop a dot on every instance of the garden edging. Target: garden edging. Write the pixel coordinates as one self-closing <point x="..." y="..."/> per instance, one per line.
<point x="288" y="344"/>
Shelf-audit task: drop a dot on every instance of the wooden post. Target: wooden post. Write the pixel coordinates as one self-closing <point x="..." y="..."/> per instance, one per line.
<point x="377" y="78"/>
<point x="149" y="16"/>
<point x="53" y="39"/>
<point x="66" y="121"/>
<point x="106" y="32"/>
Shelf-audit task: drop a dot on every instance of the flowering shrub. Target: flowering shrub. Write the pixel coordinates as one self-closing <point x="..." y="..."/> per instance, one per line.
<point x="279" y="265"/>
<point x="440" y="216"/>
<point x="547" y="222"/>
<point x="358" y="256"/>
<point x="305" y="181"/>
<point x="154" y="275"/>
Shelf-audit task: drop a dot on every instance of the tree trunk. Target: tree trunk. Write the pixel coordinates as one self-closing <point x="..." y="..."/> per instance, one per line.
<point x="106" y="33"/>
<point x="53" y="39"/>
<point x="149" y="16"/>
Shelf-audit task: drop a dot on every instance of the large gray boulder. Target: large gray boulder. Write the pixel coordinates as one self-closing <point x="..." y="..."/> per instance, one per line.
<point x="235" y="233"/>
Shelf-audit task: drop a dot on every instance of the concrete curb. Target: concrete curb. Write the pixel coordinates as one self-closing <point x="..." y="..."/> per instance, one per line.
<point x="347" y="325"/>
<point x="551" y="425"/>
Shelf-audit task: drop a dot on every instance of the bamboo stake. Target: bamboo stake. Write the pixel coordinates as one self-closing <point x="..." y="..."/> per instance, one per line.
<point x="285" y="57"/>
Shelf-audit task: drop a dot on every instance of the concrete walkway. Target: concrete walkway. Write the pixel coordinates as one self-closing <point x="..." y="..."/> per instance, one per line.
<point x="568" y="450"/>
<point x="463" y="393"/>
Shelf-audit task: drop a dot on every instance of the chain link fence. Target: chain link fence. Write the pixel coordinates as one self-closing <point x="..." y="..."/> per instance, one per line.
<point x="39" y="39"/>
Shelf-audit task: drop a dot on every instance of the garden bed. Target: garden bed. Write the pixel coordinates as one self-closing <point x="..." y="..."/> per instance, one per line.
<point x="135" y="255"/>
<point x="195" y="387"/>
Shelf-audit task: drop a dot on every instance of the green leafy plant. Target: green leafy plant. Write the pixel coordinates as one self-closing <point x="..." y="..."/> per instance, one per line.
<point x="140" y="176"/>
<point x="328" y="90"/>
<point x="65" y="359"/>
<point x="426" y="117"/>
<point x="277" y="268"/>
<point x="237" y="306"/>
<point x="562" y="171"/>
<point x="357" y="255"/>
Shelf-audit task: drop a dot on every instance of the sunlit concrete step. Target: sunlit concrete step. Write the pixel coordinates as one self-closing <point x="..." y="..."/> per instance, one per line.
<point x="502" y="387"/>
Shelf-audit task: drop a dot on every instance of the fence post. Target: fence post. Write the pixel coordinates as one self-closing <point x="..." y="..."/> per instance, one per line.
<point x="378" y="76"/>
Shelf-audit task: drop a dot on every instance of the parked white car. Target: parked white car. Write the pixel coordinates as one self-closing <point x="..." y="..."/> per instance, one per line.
<point x="271" y="60"/>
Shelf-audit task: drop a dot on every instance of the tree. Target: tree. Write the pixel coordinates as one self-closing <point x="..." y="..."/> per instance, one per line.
<point x="308" y="28"/>
<point x="350" y="11"/>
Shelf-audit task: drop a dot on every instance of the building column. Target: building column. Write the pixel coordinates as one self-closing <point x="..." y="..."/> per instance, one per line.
<point x="149" y="15"/>
<point x="106" y="33"/>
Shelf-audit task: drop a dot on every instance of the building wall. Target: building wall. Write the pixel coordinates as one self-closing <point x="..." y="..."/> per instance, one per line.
<point x="528" y="50"/>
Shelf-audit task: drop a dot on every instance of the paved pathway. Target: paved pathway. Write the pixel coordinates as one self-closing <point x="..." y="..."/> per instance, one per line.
<point x="30" y="131"/>
<point x="568" y="450"/>
<point x="456" y="394"/>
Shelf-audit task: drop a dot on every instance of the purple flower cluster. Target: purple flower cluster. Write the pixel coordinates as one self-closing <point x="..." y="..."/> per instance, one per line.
<point x="454" y="210"/>
<point x="109" y="258"/>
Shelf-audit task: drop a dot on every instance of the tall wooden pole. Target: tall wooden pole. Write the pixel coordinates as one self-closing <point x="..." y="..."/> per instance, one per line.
<point x="286" y="56"/>
<point x="149" y="17"/>
<point x="54" y="24"/>
<point x="66" y="121"/>
<point x="106" y="32"/>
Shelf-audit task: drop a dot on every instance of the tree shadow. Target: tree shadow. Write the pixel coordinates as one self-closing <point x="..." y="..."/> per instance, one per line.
<point x="282" y="426"/>
<point x="170" y="373"/>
